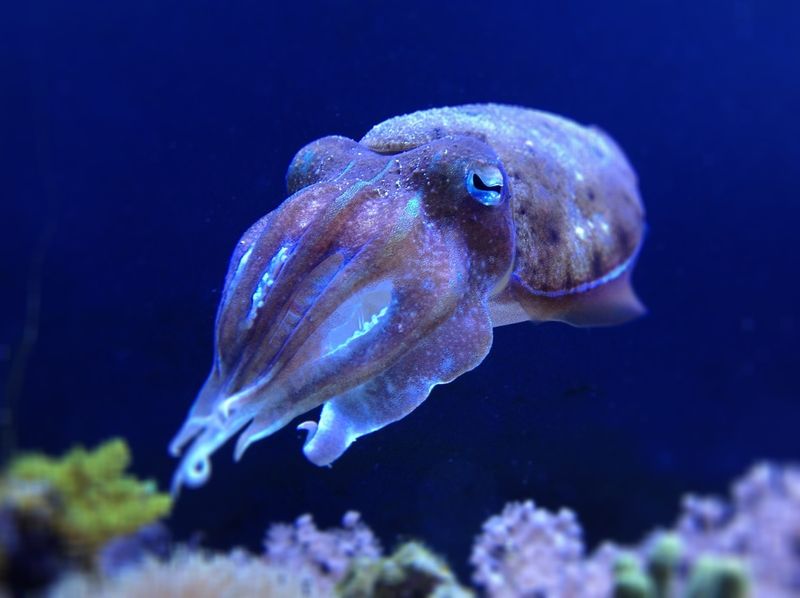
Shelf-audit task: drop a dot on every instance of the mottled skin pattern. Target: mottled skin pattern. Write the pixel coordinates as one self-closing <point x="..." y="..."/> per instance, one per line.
<point x="384" y="272"/>
<point x="576" y="206"/>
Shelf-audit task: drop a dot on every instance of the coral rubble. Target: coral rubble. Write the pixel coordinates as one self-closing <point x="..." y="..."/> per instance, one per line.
<point x="195" y="574"/>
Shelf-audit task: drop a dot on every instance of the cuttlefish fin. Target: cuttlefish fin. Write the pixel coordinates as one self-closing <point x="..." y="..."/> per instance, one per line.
<point x="351" y="415"/>
<point x="456" y="346"/>
<point x="607" y="304"/>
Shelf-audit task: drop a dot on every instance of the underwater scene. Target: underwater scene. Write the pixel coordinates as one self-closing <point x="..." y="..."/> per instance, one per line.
<point x="400" y="299"/>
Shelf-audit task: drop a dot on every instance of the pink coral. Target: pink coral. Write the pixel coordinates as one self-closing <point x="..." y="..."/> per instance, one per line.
<point x="527" y="551"/>
<point x="197" y="575"/>
<point x="761" y="526"/>
<point x="328" y="553"/>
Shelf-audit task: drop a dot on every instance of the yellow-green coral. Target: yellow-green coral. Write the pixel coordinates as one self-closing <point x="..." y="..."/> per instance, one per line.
<point x="97" y="499"/>
<point x="709" y="577"/>
<point x="412" y="570"/>
<point x="718" y="577"/>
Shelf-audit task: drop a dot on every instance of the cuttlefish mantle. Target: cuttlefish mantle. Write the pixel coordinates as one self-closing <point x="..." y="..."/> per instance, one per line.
<point x="385" y="270"/>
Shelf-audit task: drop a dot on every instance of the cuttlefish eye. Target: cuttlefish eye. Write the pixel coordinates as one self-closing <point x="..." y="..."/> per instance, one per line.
<point x="485" y="183"/>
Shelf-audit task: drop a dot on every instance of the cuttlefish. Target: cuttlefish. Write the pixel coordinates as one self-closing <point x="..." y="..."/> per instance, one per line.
<point x="385" y="270"/>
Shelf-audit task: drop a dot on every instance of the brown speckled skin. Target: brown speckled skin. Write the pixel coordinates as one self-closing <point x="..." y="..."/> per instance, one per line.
<point x="392" y="230"/>
<point x="563" y="177"/>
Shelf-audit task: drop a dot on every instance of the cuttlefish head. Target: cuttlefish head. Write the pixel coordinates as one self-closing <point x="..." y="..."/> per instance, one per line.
<point x="374" y="273"/>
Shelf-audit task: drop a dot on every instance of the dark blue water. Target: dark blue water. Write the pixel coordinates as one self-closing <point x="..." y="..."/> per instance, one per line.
<point x="146" y="136"/>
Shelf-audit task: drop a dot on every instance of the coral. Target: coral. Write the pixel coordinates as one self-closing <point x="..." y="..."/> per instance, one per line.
<point x="197" y="575"/>
<point x="747" y="546"/>
<point x="299" y="561"/>
<point x="528" y="551"/>
<point x="630" y="581"/>
<point x="718" y="549"/>
<point x="153" y="540"/>
<point x="760" y="527"/>
<point x="325" y="554"/>
<point x="350" y="556"/>
<point x="412" y="571"/>
<point x="96" y="500"/>
<point x="718" y="578"/>
<point x="667" y="575"/>
<point x="32" y="553"/>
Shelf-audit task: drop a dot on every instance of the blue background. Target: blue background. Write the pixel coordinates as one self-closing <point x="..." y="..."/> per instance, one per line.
<point x="148" y="135"/>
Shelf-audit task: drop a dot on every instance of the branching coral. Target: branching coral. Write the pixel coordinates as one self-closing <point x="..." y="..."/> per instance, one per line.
<point x="299" y="561"/>
<point x="667" y="574"/>
<point x="718" y="549"/>
<point x="347" y="562"/>
<point x="760" y="526"/>
<point x="412" y="570"/>
<point x="94" y="500"/>
<point x="749" y="546"/>
<point x="528" y="551"/>
<point x="197" y="575"/>
<point x="326" y="554"/>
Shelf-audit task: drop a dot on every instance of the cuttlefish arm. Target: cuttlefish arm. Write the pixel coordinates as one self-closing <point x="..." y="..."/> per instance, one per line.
<point x="363" y="290"/>
<point x="385" y="270"/>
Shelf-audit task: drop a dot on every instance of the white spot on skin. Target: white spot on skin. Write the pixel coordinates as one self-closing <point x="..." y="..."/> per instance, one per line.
<point x="267" y="280"/>
<point x="243" y="261"/>
<point x="598" y="221"/>
<point x="580" y="231"/>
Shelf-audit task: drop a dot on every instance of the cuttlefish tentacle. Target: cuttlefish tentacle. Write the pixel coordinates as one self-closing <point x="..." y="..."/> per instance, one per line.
<point x="383" y="273"/>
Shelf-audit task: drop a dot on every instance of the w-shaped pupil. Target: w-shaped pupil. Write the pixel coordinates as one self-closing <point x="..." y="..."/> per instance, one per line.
<point x="478" y="183"/>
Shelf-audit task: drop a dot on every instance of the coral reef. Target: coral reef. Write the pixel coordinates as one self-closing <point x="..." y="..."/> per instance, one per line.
<point x="348" y="561"/>
<point x="325" y="554"/>
<point x="528" y="551"/>
<point x="197" y="575"/>
<point x="664" y="574"/>
<point x="719" y="549"/>
<point x="97" y="500"/>
<point x="299" y="560"/>
<point x="32" y="554"/>
<point x="58" y="512"/>
<point x="746" y="546"/>
<point x="153" y="540"/>
<point x="412" y="571"/>
<point x="760" y="526"/>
